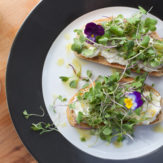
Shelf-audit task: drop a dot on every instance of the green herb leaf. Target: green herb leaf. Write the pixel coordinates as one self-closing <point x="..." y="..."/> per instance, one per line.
<point x="64" y="78"/>
<point x="137" y="84"/>
<point x="62" y="99"/>
<point x="43" y="127"/>
<point x="158" y="45"/>
<point x="83" y="139"/>
<point x="145" y="41"/>
<point x="103" y="40"/>
<point x="85" y="85"/>
<point x="36" y="127"/>
<point x="138" y="111"/>
<point x="72" y="106"/>
<point x="77" y="46"/>
<point x="26" y="115"/>
<point x="81" y="35"/>
<point x="142" y="10"/>
<point x="73" y="84"/>
<point x="117" y="30"/>
<point x="89" y="73"/>
<point x="79" y="117"/>
<point x="107" y="131"/>
<point x="151" y="23"/>
<point x="153" y="84"/>
<point x="155" y="63"/>
<point x="107" y="115"/>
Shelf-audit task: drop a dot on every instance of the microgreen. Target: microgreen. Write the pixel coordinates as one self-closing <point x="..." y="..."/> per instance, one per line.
<point x="73" y="84"/>
<point x="27" y="115"/>
<point x="62" y="99"/>
<point x="107" y="131"/>
<point x="85" y="85"/>
<point x="83" y="139"/>
<point x="79" y="117"/>
<point x="64" y="78"/>
<point x="72" y="106"/>
<point x="89" y="73"/>
<point x="43" y="127"/>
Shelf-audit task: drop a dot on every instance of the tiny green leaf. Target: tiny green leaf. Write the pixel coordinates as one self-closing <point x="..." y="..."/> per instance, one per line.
<point x="73" y="83"/>
<point x="77" y="45"/>
<point x="155" y="63"/>
<point x="107" y="131"/>
<point x="142" y="10"/>
<point x="117" y="30"/>
<point x="153" y="84"/>
<point x="85" y="85"/>
<point x="36" y="127"/>
<point x="72" y="106"/>
<point x="83" y="139"/>
<point x="26" y="115"/>
<point x="107" y="115"/>
<point x="145" y="41"/>
<point x="79" y="117"/>
<point x="89" y="73"/>
<point x="64" y="78"/>
<point x="62" y="99"/>
<point x="103" y="40"/>
<point x="43" y="127"/>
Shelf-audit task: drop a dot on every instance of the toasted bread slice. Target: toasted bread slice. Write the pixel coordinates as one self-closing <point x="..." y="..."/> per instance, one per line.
<point x="101" y="60"/>
<point x="72" y="117"/>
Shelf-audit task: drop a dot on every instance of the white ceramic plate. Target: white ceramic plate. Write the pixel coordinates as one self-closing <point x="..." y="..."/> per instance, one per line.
<point x="146" y="140"/>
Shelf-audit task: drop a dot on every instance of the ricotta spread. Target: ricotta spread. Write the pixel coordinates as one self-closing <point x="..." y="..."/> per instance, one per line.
<point x="151" y="109"/>
<point x="113" y="57"/>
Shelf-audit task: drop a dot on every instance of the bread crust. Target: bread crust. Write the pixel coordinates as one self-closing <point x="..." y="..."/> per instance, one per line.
<point x="72" y="117"/>
<point x="71" y="114"/>
<point x="103" y="61"/>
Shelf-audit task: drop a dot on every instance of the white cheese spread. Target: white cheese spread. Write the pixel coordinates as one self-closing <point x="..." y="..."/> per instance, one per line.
<point x="113" y="57"/>
<point x="151" y="109"/>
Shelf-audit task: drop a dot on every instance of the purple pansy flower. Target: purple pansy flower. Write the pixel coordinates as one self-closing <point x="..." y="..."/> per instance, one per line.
<point x="93" y="30"/>
<point x="133" y="100"/>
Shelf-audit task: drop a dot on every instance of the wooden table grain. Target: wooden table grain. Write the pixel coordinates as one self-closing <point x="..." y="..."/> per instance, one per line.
<point x="12" y="15"/>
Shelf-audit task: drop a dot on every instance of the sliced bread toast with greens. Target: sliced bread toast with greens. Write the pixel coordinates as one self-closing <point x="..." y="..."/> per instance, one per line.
<point x="120" y="42"/>
<point x="115" y="105"/>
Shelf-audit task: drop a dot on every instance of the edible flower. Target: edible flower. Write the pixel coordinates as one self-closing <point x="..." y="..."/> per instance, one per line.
<point x="93" y="30"/>
<point x="133" y="100"/>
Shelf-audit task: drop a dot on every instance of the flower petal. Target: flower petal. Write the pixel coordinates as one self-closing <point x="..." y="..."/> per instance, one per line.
<point x="137" y="94"/>
<point x="100" y="30"/>
<point x="93" y="29"/>
<point x="136" y="99"/>
<point x="90" y="29"/>
<point x="91" y="38"/>
<point x="135" y="106"/>
<point x="140" y="103"/>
